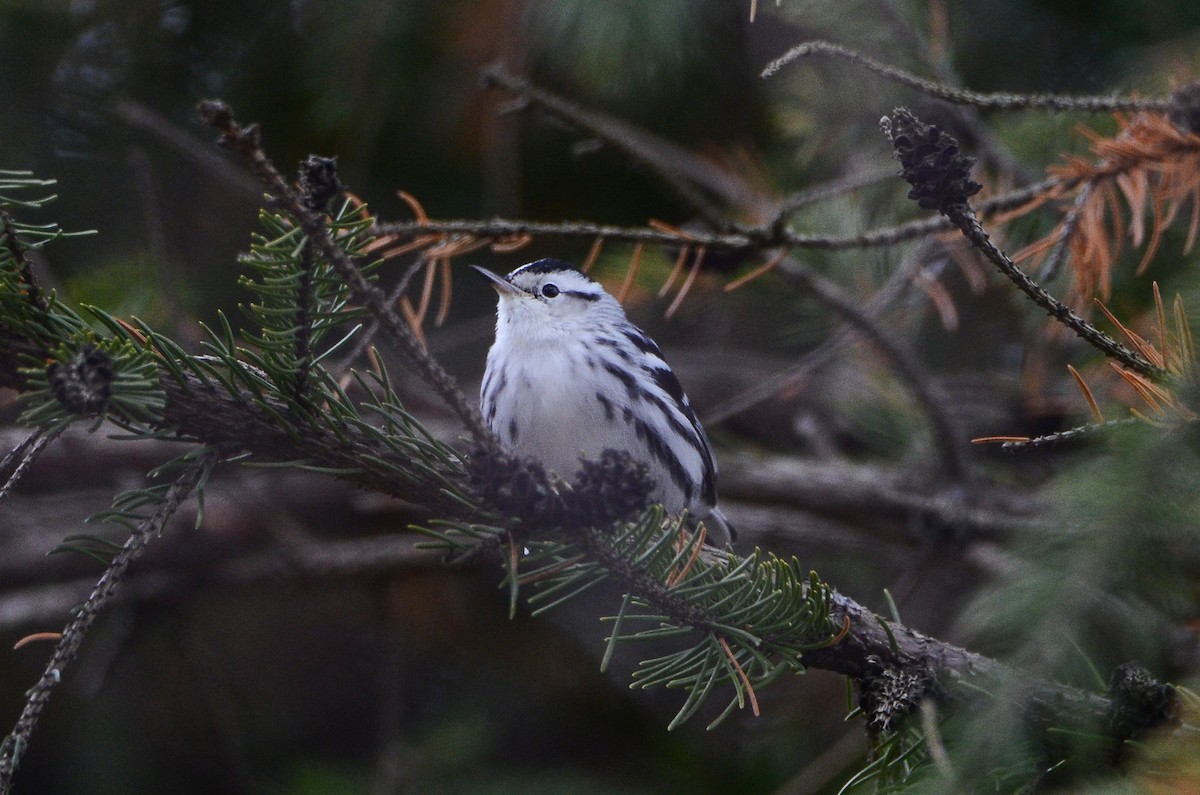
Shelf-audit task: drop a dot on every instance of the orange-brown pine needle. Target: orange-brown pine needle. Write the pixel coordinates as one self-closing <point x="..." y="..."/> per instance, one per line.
<point x="675" y="271"/>
<point x="766" y="267"/>
<point x="742" y="675"/>
<point x="593" y="254"/>
<point x="845" y="630"/>
<point x="507" y="245"/>
<point x="687" y="284"/>
<point x="677" y="577"/>
<point x="1144" y="388"/>
<point x="413" y="321"/>
<point x="401" y="249"/>
<point x="35" y="637"/>
<point x="131" y="330"/>
<point x="634" y="264"/>
<point x="426" y="291"/>
<point x="1161" y="315"/>
<point x="413" y="205"/>
<point x="1087" y="394"/>
<point x="1139" y="343"/>
<point x="447" y="282"/>
<point x="999" y="439"/>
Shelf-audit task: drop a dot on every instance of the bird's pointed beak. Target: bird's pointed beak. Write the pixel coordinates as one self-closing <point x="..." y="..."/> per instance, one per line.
<point x="501" y="285"/>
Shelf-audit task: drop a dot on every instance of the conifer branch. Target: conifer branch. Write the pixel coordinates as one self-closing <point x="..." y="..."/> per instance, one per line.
<point x="245" y="141"/>
<point x="941" y="181"/>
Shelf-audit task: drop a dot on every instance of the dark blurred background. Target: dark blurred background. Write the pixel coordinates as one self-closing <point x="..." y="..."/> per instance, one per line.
<point x="227" y="669"/>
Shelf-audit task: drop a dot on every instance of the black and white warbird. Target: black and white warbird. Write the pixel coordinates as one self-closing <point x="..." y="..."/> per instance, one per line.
<point x="570" y="376"/>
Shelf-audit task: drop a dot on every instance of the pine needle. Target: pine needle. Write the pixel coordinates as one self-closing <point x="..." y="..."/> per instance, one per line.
<point x="676" y="269"/>
<point x="507" y="245"/>
<point x="687" y="284"/>
<point x="1087" y="394"/>
<point x="35" y="637"/>
<point x="634" y="264"/>
<point x="749" y="688"/>
<point x="768" y="266"/>
<point x="593" y="254"/>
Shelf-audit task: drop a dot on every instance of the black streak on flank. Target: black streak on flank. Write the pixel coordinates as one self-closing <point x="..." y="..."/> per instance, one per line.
<point x="617" y="348"/>
<point x="512" y="430"/>
<point x="659" y="450"/>
<point x="623" y="375"/>
<point x="607" y="405"/>
<point x="643" y="343"/>
<point x="667" y="381"/>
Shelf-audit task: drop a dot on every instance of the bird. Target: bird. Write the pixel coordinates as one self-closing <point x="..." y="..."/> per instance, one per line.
<point x="569" y="376"/>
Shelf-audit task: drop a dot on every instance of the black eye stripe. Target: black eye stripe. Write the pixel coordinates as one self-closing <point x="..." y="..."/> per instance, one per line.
<point x="582" y="294"/>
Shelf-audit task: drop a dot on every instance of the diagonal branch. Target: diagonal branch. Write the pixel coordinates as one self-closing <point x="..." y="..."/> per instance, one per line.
<point x="75" y="632"/>
<point x="245" y="141"/>
<point x="947" y="438"/>
<point x="940" y="176"/>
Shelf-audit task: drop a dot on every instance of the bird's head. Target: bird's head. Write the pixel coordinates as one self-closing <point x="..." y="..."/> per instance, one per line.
<point x="550" y="297"/>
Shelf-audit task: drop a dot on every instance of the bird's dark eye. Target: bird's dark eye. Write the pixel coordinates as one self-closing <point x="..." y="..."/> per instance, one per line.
<point x="549" y="290"/>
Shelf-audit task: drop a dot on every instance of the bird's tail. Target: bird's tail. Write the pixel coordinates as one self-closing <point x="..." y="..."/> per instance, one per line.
<point x="720" y="531"/>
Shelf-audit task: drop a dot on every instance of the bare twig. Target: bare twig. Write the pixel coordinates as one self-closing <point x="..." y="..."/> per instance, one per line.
<point x="691" y="178"/>
<point x="1062" y="242"/>
<point x="794" y="374"/>
<point x="367" y="337"/>
<point x="750" y="239"/>
<point x="21" y="457"/>
<point x="964" y="218"/>
<point x="75" y="632"/>
<point x="995" y="101"/>
<point x="947" y="439"/>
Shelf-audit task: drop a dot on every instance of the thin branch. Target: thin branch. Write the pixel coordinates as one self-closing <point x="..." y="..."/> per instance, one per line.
<point x="941" y="179"/>
<point x="367" y="337"/>
<point x="1058" y="438"/>
<point x="21" y="457"/>
<point x="957" y="96"/>
<point x="749" y="239"/>
<point x="691" y="178"/>
<point x="203" y="158"/>
<point x="947" y="438"/>
<point x="964" y="218"/>
<point x="1066" y="231"/>
<point x="245" y="141"/>
<point x="76" y="630"/>
<point x="794" y="374"/>
<point x="838" y="187"/>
